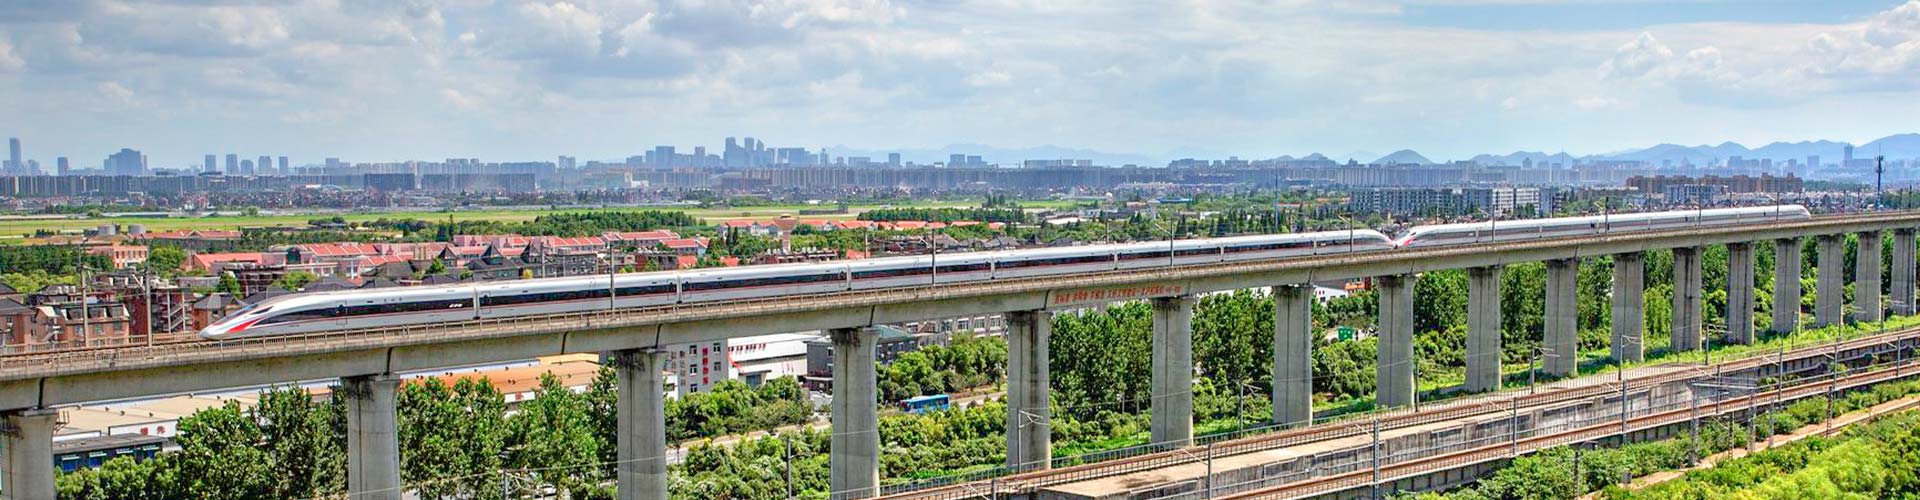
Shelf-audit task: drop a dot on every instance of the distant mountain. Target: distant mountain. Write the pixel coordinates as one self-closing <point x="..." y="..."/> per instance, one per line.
<point x="1403" y="157"/>
<point x="1518" y="158"/>
<point x="1893" y="146"/>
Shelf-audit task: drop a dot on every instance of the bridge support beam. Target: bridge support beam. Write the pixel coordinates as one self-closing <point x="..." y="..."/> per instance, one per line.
<point x="1483" y="329"/>
<point x="1740" y="293"/>
<point x="1903" y="272"/>
<point x="1629" y="307"/>
<point x="373" y="437"/>
<point x="1171" y="423"/>
<point x="1561" y="348"/>
<point x="1293" y="354"/>
<point x="640" y="422"/>
<point x="854" y="460"/>
<point x="1866" y="278"/>
<point x="1829" y="299"/>
<point x="1686" y="332"/>
<point x="1029" y="422"/>
<point x="1394" y="361"/>
<point x="1786" y="285"/>
<point x="28" y="448"/>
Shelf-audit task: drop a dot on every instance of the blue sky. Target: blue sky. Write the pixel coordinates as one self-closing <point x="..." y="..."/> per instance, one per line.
<point x="374" y="80"/>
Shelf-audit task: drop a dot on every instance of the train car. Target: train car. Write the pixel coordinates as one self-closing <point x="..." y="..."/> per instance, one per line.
<point x="1563" y="227"/>
<point x="326" y="311"/>
<point x="1048" y="261"/>
<point x="323" y="311"/>
<point x="752" y="282"/>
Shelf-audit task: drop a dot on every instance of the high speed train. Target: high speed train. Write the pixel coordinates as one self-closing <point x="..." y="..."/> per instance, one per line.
<point x="355" y="309"/>
<point x="1562" y="227"/>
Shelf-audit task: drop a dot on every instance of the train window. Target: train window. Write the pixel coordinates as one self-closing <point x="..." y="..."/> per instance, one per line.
<point x="1269" y="247"/>
<point x="892" y="273"/>
<point x="1196" y="251"/>
<point x="764" y="281"/>
<point x="656" y="289"/>
<point x="1056" y="261"/>
<point x="962" y="268"/>
<point x="1144" y="255"/>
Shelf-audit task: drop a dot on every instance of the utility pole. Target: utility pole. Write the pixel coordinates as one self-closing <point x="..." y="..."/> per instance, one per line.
<point x="1375" y="452"/>
<point x="1879" y="193"/>
<point x="1693" y="403"/>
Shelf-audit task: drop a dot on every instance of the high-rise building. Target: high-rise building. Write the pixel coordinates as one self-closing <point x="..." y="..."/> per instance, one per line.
<point x="125" y="162"/>
<point x="566" y="163"/>
<point x="1846" y="156"/>
<point x="61" y="166"/>
<point x="233" y="163"/>
<point x="207" y="164"/>
<point x="263" y="166"/>
<point x="13" y="154"/>
<point x="284" y="169"/>
<point x="1813" y="161"/>
<point x="893" y="159"/>
<point x="246" y="168"/>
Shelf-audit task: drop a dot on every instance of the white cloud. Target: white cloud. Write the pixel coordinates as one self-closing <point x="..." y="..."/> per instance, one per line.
<point x="9" y="61"/>
<point x="398" y="78"/>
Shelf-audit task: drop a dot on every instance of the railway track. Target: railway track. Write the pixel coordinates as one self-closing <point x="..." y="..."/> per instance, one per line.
<point x="1339" y="427"/>
<point x="42" y="363"/>
<point x="1366" y="478"/>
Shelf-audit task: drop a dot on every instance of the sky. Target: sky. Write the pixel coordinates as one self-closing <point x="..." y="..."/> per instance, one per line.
<point x="384" y="80"/>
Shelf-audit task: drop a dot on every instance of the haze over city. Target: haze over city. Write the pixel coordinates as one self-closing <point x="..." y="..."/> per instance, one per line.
<point x="386" y="81"/>
<point x="959" y="249"/>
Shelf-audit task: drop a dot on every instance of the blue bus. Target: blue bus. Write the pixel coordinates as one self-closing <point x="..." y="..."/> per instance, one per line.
<point x="924" y="404"/>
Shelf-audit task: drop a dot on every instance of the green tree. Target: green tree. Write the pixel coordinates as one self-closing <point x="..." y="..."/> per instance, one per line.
<point x="296" y="280"/>
<point x="553" y="436"/>
<point x="166" y="260"/>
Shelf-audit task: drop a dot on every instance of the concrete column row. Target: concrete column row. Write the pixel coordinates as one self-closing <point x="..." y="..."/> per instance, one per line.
<point x="1740" y="294"/>
<point x="854" y="458"/>
<point x="1393" y="363"/>
<point x="1483" y="329"/>
<point x="1687" y="321"/>
<point x="1903" y="273"/>
<point x="1629" y="306"/>
<point x="1562" y="317"/>
<point x="1786" y="285"/>
<point x="1829" y="300"/>
<point x="1293" y="354"/>
<point x="1029" y="383"/>
<point x="1171" y="423"/>
<point x="1866" y="278"/>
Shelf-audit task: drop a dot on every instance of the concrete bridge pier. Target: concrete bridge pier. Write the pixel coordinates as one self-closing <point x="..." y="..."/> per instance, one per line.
<point x="1483" y="329"/>
<point x="1629" y="306"/>
<point x="1740" y="293"/>
<point x="28" y="458"/>
<point x="1171" y="423"/>
<point x="640" y="433"/>
<point x="1786" y="285"/>
<point x="1293" y="354"/>
<point x="1866" y="278"/>
<point x="1563" y="317"/>
<point x="854" y="458"/>
<point x="1830" y="300"/>
<point x="1394" y="360"/>
<point x="1029" y="422"/>
<point x="373" y="437"/>
<point x="1903" y="273"/>
<point x="1686" y="332"/>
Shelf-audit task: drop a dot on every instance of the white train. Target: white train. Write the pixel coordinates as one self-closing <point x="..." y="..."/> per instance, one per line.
<point x="325" y="311"/>
<point x="1561" y="227"/>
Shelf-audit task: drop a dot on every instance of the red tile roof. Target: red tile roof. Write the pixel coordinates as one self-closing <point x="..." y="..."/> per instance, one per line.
<point x="680" y="243"/>
<point x="339" y="249"/>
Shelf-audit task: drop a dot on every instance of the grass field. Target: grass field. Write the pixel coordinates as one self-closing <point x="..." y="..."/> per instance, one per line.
<point x="15" y="229"/>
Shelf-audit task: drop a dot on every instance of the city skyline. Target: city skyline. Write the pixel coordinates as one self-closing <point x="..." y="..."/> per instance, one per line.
<point x="533" y="80"/>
